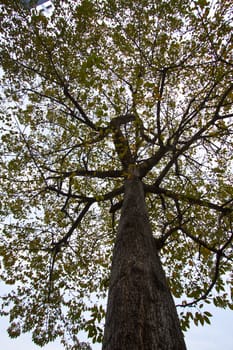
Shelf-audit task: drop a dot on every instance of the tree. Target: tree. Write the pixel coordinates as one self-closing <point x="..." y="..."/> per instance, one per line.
<point x="113" y="107"/>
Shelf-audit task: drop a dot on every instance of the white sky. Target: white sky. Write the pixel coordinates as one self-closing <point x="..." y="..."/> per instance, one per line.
<point x="217" y="336"/>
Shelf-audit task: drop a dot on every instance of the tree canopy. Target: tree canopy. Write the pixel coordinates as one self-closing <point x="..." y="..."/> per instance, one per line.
<point x="89" y="95"/>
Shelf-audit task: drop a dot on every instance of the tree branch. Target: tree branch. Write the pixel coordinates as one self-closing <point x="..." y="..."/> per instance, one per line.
<point x="64" y="240"/>
<point x="121" y="141"/>
<point x="104" y="197"/>
<point x="219" y="254"/>
<point x="149" y="163"/>
<point x="211" y="286"/>
<point x="189" y="199"/>
<point x="100" y="174"/>
<point x="161" y="89"/>
<point x="86" y="120"/>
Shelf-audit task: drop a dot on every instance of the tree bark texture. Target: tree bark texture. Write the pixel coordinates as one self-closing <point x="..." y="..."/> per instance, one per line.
<point x="141" y="313"/>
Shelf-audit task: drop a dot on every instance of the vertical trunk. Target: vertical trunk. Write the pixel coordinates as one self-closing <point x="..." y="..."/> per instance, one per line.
<point x="141" y="314"/>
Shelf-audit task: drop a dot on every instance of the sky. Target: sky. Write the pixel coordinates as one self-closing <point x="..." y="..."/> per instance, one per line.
<point x="218" y="335"/>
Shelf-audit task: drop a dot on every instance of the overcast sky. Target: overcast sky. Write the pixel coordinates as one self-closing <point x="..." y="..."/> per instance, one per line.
<point x="217" y="336"/>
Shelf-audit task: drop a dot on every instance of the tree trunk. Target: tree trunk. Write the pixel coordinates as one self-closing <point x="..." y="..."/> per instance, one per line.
<point x="141" y="313"/>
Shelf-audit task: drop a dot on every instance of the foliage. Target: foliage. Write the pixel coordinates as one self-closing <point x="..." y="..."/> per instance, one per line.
<point x="90" y="95"/>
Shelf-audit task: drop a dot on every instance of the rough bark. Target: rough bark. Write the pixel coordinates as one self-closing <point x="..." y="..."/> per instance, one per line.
<point x="141" y="314"/>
